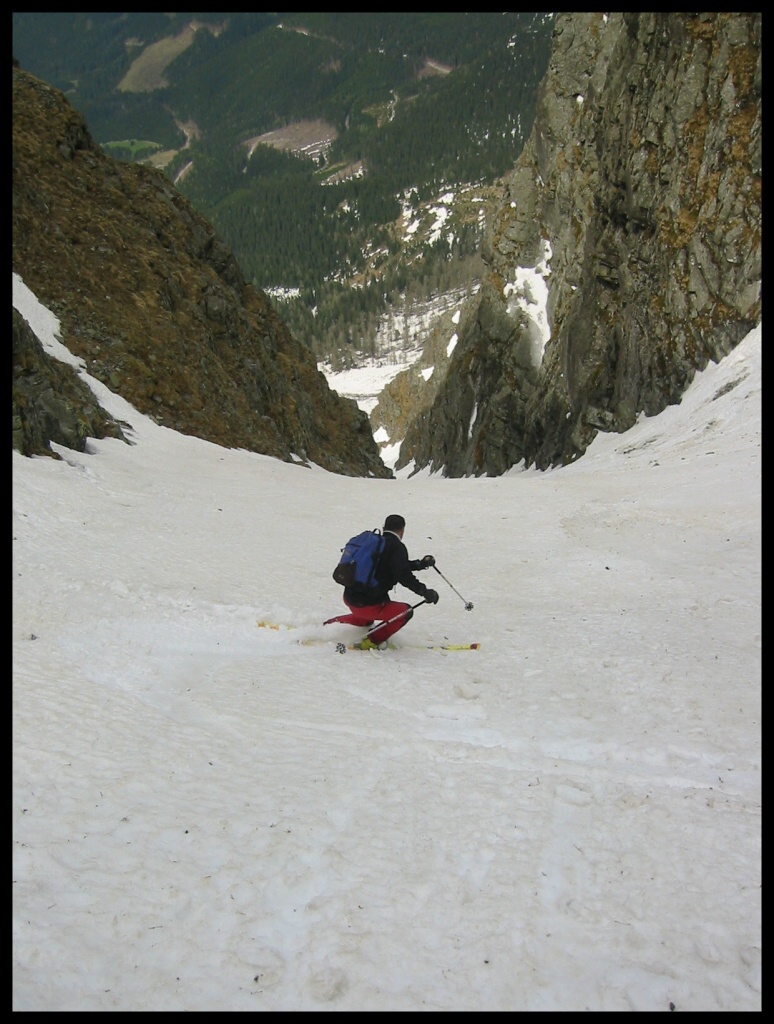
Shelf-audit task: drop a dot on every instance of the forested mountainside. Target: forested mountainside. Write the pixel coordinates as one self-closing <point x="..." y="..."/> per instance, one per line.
<point x="638" y="198"/>
<point x="156" y="306"/>
<point x="312" y="142"/>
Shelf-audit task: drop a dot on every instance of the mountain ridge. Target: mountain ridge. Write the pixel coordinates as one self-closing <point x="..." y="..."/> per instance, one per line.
<point x="638" y="199"/>
<point x="155" y="304"/>
<point x="638" y="194"/>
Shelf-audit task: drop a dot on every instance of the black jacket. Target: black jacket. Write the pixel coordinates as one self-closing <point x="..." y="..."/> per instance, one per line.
<point x="394" y="566"/>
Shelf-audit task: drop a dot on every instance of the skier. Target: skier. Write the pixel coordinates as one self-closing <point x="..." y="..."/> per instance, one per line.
<point x="393" y="567"/>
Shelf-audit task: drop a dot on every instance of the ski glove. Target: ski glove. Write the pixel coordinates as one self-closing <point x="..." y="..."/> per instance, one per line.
<point x="431" y="596"/>
<point x="427" y="561"/>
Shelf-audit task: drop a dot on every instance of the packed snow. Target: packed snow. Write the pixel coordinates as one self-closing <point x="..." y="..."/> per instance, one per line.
<point x="211" y="816"/>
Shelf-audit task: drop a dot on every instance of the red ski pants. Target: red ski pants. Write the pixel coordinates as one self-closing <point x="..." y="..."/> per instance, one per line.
<point x="368" y="614"/>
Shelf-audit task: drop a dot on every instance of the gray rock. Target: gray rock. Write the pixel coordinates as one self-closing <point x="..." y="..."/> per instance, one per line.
<point x="643" y="171"/>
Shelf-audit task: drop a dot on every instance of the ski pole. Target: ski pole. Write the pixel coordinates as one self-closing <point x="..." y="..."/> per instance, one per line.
<point x="468" y="604"/>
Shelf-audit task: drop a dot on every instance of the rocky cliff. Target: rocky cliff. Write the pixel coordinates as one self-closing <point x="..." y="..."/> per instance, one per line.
<point x="155" y="304"/>
<point x="639" y="193"/>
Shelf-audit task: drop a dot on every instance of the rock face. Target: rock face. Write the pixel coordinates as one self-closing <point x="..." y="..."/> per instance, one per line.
<point x="414" y="389"/>
<point x="156" y="306"/>
<point x="643" y="175"/>
<point x="50" y="401"/>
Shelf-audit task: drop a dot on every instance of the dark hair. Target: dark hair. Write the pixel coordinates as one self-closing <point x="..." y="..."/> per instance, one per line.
<point x="395" y="523"/>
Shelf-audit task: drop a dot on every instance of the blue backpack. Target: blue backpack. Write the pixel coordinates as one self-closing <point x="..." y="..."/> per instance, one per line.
<point x="359" y="558"/>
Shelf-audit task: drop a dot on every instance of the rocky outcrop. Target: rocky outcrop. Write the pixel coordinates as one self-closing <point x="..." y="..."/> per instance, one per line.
<point x="156" y="306"/>
<point x="414" y="389"/>
<point x="50" y="401"/>
<point x="641" y="183"/>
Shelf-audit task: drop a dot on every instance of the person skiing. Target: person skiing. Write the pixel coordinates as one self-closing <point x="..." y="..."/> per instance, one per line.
<point x="393" y="567"/>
